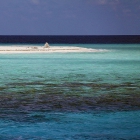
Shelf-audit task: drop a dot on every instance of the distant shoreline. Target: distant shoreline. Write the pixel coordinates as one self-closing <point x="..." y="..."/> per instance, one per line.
<point x="38" y="49"/>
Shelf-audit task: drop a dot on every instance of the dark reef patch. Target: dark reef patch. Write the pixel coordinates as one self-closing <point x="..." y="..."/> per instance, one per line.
<point x="19" y="99"/>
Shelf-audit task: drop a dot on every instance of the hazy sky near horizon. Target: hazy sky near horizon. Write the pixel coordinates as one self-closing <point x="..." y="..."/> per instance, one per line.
<point x="70" y="17"/>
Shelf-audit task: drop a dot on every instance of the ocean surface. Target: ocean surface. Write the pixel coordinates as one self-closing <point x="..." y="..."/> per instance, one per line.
<point x="71" y="96"/>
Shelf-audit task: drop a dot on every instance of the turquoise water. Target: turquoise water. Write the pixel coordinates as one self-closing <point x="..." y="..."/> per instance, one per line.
<point x="71" y="96"/>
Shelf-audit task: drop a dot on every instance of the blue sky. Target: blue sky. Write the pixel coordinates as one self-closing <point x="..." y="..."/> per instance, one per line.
<point x="70" y="17"/>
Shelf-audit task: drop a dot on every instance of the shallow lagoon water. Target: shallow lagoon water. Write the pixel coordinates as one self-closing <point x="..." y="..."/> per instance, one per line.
<point x="71" y="95"/>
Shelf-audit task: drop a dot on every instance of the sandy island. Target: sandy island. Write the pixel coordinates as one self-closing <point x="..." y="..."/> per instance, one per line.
<point x="45" y="49"/>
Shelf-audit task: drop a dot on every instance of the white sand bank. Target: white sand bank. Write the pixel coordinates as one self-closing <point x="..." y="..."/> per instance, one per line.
<point x="38" y="49"/>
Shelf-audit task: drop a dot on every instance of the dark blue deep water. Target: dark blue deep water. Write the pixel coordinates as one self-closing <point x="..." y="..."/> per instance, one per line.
<point x="71" y="39"/>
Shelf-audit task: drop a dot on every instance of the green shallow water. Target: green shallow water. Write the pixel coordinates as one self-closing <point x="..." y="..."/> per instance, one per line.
<point x="76" y="84"/>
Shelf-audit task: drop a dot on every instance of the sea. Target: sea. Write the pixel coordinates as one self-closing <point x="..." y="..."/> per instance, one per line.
<point x="70" y="96"/>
